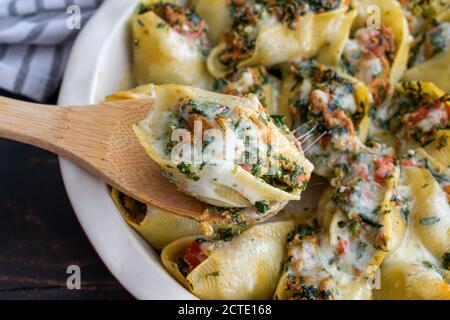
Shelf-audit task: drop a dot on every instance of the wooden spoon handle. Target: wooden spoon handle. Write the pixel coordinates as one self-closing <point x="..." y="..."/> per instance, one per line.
<point x="82" y="134"/>
<point x="30" y="123"/>
<point x="100" y="139"/>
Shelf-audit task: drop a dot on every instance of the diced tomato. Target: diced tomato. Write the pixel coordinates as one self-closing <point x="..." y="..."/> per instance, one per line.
<point x="389" y="159"/>
<point x="342" y="246"/>
<point x="447" y="109"/>
<point x="303" y="177"/>
<point x="447" y="191"/>
<point x="378" y="41"/>
<point x="384" y="166"/>
<point x="380" y="85"/>
<point x="245" y="167"/>
<point x="447" y="188"/>
<point x="415" y="117"/>
<point x="194" y="255"/>
<point x="408" y="163"/>
<point x="196" y="34"/>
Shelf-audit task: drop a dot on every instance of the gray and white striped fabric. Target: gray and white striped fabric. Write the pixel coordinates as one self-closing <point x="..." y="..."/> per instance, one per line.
<point x="35" y="42"/>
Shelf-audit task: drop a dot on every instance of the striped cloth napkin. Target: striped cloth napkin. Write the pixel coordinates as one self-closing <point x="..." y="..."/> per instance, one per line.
<point x="35" y="40"/>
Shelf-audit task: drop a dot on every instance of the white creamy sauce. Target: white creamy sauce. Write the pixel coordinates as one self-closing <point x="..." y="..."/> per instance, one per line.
<point x="320" y="96"/>
<point x="446" y="33"/>
<point x="375" y="67"/>
<point x="352" y="52"/>
<point x="305" y="89"/>
<point x="432" y="119"/>
<point x="247" y="80"/>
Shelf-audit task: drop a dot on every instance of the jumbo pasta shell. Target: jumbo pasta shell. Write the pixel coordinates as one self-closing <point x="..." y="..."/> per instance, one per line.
<point x="162" y="55"/>
<point x="224" y="183"/>
<point x="292" y="89"/>
<point x="439" y="148"/>
<point x="407" y="281"/>
<point x="392" y="16"/>
<point x="435" y="70"/>
<point x="158" y="227"/>
<point x="313" y="32"/>
<point x="332" y="51"/>
<point x="430" y="210"/>
<point x="216" y="15"/>
<point x="247" y="267"/>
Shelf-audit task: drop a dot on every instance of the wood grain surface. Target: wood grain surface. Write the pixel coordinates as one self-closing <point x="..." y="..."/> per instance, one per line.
<point x="39" y="233"/>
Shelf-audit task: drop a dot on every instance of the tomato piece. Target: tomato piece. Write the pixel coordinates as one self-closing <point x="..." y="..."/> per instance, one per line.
<point x="447" y="191"/>
<point x="408" y="163"/>
<point x="415" y="117"/>
<point x="194" y="255"/>
<point x="384" y="166"/>
<point x="342" y="246"/>
<point x="246" y="167"/>
<point x="378" y="41"/>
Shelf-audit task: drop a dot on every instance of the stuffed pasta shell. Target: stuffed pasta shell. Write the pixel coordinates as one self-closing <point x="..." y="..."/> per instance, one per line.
<point x="420" y="13"/>
<point x="309" y="273"/>
<point x="377" y="55"/>
<point x="418" y="267"/>
<point x="246" y="267"/>
<point x="360" y="220"/>
<point x="364" y="206"/>
<point x="222" y="149"/>
<point x="271" y="32"/>
<point x="157" y="227"/>
<point x="431" y="52"/>
<point x="329" y="110"/>
<point x="169" y="45"/>
<point x="252" y="80"/>
<point x="430" y="209"/>
<point x="419" y="110"/>
<point x="413" y="281"/>
<point x="439" y="147"/>
<point x="428" y="182"/>
<point x="217" y="15"/>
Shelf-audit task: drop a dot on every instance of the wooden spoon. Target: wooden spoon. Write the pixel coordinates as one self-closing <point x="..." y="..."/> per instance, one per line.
<point x="100" y="139"/>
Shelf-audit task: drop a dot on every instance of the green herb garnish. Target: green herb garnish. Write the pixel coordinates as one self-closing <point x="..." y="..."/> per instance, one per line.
<point x="429" y="221"/>
<point x="185" y="168"/>
<point x="262" y="206"/>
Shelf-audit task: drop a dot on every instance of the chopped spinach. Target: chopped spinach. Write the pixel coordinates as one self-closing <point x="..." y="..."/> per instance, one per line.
<point x="262" y="206"/>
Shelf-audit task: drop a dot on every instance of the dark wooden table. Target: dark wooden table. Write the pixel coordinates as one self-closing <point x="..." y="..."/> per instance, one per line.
<point x="39" y="233"/>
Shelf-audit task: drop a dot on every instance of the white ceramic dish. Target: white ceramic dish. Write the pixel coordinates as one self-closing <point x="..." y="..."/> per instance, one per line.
<point x="97" y="66"/>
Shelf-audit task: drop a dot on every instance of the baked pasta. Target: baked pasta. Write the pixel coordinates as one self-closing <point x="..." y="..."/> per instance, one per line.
<point x="329" y="110"/>
<point x="356" y="92"/>
<point x="169" y="45"/>
<point x="245" y="267"/>
<point x="377" y="55"/>
<point x="429" y="56"/>
<point x="224" y="150"/>
<point x="271" y="32"/>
